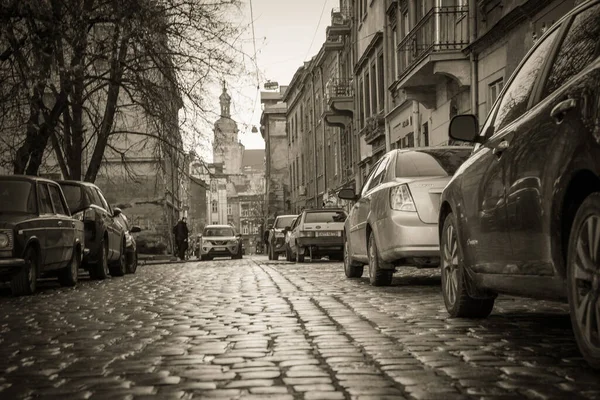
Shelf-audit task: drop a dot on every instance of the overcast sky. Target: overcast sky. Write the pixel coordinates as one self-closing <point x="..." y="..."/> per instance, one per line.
<point x="284" y="30"/>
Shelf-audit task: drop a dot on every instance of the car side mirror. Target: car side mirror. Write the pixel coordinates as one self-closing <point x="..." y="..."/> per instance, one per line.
<point x="135" y="229"/>
<point x="464" y="128"/>
<point x="347" y="194"/>
<point x="116" y="212"/>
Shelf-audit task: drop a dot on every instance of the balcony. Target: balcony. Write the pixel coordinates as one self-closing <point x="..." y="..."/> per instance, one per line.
<point x="339" y="101"/>
<point x="334" y="44"/>
<point x="432" y="50"/>
<point x="340" y="22"/>
<point x="374" y="129"/>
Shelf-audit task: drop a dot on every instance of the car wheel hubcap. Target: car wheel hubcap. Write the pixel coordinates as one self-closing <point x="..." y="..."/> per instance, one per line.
<point x="587" y="281"/>
<point x="450" y="265"/>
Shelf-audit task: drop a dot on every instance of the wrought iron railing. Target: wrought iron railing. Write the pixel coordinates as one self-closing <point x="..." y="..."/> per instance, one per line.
<point x="441" y="29"/>
<point x="339" y="87"/>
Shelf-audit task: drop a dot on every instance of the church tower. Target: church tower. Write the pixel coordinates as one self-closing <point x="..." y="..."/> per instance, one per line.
<point x="226" y="147"/>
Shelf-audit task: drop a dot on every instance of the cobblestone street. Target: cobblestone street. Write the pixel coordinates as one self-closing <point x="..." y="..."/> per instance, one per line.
<point x="258" y="329"/>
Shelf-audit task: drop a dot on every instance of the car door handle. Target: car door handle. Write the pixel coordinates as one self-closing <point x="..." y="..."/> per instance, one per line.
<point x="559" y="110"/>
<point x="500" y="147"/>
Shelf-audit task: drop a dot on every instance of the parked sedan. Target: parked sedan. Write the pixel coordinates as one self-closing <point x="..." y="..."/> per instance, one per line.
<point x="394" y="219"/>
<point x="276" y="236"/>
<point x="104" y="237"/>
<point x="38" y="237"/>
<point x="318" y="233"/>
<point x="522" y="215"/>
<point x="131" y="254"/>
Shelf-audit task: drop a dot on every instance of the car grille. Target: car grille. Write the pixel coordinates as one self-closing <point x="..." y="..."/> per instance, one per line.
<point x="219" y="242"/>
<point x="11" y="239"/>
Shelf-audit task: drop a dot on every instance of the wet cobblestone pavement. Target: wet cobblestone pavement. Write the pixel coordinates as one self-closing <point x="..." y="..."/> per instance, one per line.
<point x="258" y="329"/>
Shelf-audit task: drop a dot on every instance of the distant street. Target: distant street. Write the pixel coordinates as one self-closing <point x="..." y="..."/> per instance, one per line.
<point x="258" y="329"/>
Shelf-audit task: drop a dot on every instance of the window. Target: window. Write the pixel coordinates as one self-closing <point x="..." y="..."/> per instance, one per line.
<point x="17" y="196"/>
<point x="434" y="162"/>
<point x="215" y="206"/>
<point x="405" y="23"/>
<point x="229" y="209"/>
<point x="218" y="231"/>
<point x="325" y="216"/>
<point x="367" y="90"/>
<point x="380" y="82"/>
<point x="45" y="202"/>
<point x="579" y="48"/>
<point x="374" y="96"/>
<point x="515" y="99"/>
<point x="425" y="134"/>
<point x="379" y="172"/>
<point x="245" y="229"/>
<point x="361" y="106"/>
<point x="335" y="159"/>
<point x="282" y="222"/>
<point x="105" y="204"/>
<point x="494" y="90"/>
<point x="395" y="57"/>
<point x="59" y="206"/>
<point x="302" y="168"/>
<point x="74" y="195"/>
<point x="213" y="187"/>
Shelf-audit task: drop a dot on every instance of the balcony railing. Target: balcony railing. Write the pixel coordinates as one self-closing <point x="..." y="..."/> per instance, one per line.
<point x="339" y="87"/>
<point x="442" y="29"/>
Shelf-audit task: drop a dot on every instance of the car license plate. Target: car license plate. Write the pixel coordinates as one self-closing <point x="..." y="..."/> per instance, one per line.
<point x="330" y="233"/>
<point x="219" y="248"/>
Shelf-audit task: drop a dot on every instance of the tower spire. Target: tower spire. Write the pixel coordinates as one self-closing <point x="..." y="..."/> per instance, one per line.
<point x="225" y="101"/>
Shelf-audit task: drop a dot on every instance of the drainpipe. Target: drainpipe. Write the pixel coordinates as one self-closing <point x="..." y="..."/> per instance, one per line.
<point x="473" y="57"/>
<point x="412" y="16"/>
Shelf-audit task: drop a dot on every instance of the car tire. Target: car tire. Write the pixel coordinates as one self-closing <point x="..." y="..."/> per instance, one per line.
<point x="378" y="276"/>
<point x="275" y="255"/>
<point x="288" y="254"/>
<point x="270" y="252"/>
<point x="299" y="257"/>
<point x="25" y="282"/>
<point x="132" y="262"/>
<point x="351" y="269"/>
<point x="119" y="268"/>
<point x="99" y="270"/>
<point x="204" y="257"/>
<point x="69" y="275"/>
<point x="583" y="279"/>
<point x="455" y="280"/>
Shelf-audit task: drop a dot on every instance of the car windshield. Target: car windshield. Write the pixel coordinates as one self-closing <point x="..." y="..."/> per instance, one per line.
<point x="434" y="162"/>
<point x="282" y="222"/>
<point x="325" y="216"/>
<point x="218" y="232"/>
<point x="17" y="197"/>
<point x="74" y="196"/>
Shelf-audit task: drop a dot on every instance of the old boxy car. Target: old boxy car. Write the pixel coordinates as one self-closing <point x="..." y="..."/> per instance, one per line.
<point x="38" y="236"/>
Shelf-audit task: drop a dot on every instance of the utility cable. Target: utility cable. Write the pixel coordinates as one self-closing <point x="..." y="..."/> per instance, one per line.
<point x="316" y="29"/>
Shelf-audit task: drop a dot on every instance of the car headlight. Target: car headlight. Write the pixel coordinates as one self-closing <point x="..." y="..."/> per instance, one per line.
<point x="4" y="240"/>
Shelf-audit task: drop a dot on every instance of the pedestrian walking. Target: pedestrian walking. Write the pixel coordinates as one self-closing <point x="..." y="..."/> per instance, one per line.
<point x="181" y="237"/>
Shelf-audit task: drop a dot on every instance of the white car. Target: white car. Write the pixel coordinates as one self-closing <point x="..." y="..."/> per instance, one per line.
<point x="220" y="241"/>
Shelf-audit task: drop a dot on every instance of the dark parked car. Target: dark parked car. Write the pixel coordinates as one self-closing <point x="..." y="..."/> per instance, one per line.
<point x="276" y="236"/>
<point x="131" y="254"/>
<point x="38" y="237"/>
<point x="522" y="215"/>
<point x="104" y="237"/>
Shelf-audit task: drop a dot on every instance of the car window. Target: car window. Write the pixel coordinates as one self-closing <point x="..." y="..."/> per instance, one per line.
<point x="434" y="162"/>
<point x="105" y="204"/>
<point x="218" y="232"/>
<point x="379" y="172"/>
<point x="59" y="206"/>
<point x="17" y="196"/>
<point x="45" y="202"/>
<point x="282" y="222"/>
<point x="578" y="49"/>
<point x="74" y="196"/>
<point x="516" y="97"/>
<point x="94" y="197"/>
<point x="367" y="182"/>
<point x="325" y="216"/>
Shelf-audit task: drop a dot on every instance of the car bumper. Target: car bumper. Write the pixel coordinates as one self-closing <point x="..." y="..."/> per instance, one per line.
<point x="403" y="235"/>
<point x="321" y="244"/>
<point x="219" y="251"/>
<point x="10" y="266"/>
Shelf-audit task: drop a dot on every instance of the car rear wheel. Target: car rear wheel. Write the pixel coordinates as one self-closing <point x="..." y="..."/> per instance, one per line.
<point x="583" y="278"/>
<point x="378" y="274"/>
<point x="270" y="252"/>
<point x="350" y="268"/>
<point x="275" y="255"/>
<point x="25" y="282"/>
<point x="100" y="270"/>
<point x="69" y="275"/>
<point x="455" y="280"/>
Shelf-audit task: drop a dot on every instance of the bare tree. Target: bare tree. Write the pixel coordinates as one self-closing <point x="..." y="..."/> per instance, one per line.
<point x="88" y="72"/>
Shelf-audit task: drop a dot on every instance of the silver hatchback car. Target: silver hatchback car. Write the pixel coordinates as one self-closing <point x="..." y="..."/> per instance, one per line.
<point x="394" y="219"/>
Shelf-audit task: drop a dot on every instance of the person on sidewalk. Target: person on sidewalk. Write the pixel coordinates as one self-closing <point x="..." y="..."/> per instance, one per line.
<point x="181" y="237"/>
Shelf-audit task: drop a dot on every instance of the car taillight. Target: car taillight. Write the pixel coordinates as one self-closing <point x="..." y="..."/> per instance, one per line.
<point x="401" y="199"/>
<point x="307" y="234"/>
